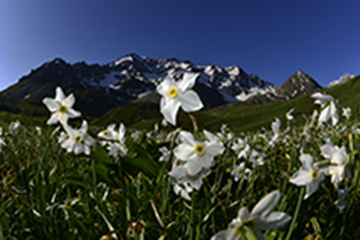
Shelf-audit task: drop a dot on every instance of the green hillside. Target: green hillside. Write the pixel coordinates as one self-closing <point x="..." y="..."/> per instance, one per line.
<point x="239" y="116"/>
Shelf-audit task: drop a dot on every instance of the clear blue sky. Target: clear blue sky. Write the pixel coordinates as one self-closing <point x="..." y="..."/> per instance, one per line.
<point x="270" y="38"/>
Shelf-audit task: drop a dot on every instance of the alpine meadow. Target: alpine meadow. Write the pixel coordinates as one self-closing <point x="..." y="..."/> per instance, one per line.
<point x="176" y="168"/>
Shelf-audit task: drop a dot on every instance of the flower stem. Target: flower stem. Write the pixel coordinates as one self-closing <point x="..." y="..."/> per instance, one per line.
<point x="293" y="222"/>
<point x="193" y="121"/>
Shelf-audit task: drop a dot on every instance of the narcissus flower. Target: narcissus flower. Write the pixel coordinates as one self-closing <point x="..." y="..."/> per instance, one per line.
<point x="176" y="94"/>
<point x="60" y="107"/>
<point x="248" y="225"/>
<point x="347" y="112"/>
<point x="327" y="103"/>
<point x="338" y="160"/>
<point x="78" y="141"/>
<point x="309" y="175"/>
<point x="114" y="139"/>
<point x="198" y="154"/>
<point x="240" y="171"/>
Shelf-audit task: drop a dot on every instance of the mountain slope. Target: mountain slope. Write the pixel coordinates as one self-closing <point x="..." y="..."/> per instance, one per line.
<point x="129" y="79"/>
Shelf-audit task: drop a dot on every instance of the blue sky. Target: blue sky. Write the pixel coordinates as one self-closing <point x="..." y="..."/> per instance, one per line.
<point x="272" y="39"/>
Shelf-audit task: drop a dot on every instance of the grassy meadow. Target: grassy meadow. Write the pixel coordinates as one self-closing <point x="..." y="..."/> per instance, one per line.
<point x="48" y="193"/>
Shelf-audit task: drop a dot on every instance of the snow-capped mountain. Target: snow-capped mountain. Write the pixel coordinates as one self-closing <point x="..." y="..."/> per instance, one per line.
<point x="99" y="88"/>
<point x="343" y="79"/>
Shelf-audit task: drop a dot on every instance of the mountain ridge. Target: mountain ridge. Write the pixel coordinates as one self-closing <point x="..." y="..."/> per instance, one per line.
<point x="133" y="78"/>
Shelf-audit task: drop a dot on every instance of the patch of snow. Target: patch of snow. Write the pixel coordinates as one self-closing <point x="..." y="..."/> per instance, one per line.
<point x="343" y="79"/>
<point x="124" y="59"/>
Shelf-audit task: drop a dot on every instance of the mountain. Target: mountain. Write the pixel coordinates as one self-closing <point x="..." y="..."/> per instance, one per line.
<point x="296" y="85"/>
<point x="133" y="78"/>
<point x="343" y="79"/>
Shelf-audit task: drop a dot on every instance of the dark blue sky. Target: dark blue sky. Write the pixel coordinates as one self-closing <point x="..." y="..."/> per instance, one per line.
<point x="270" y="38"/>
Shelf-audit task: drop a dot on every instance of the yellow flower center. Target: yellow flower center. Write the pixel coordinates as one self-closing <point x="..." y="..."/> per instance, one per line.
<point x="77" y="138"/>
<point x="199" y="149"/>
<point x="106" y="133"/>
<point x="63" y="109"/>
<point x="314" y="175"/>
<point x="172" y="92"/>
<point x="82" y="142"/>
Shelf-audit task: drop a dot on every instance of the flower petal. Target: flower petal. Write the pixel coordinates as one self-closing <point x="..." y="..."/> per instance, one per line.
<point x="194" y="167"/>
<point x="51" y="104"/>
<point x="187" y="138"/>
<point x="69" y="101"/>
<point x="170" y="110"/>
<point x="59" y="96"/>
<point x="184" y="152"/>
<point x="190" y="101"/>
<point x="274" y="220"/>
<point x="224" y="235"/>
<point x="164" y="86"/>
<point x="300" y="178"/>
<point x="54" y="118"/>
<point x="266" y="204"/>
<point x="324" y="115"/>
<point x="188" y="81"/>
<point x="307" y="162"/>
<point x="333" y="113"/>
<point x="243" y="214"/>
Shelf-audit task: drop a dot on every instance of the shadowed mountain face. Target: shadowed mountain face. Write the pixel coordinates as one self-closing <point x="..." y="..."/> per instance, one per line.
<point x="133" y="78"/>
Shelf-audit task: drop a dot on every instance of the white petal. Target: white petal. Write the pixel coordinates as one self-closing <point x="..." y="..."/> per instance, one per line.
<point x="311" y="188"/>
<point x="324" y="115"/>
<point x="54" y="118"/>
<point x="188" y="81"/>
<point x="307" y="162"/>
<point x="333" y="113"/>
<point x="274" y="220"/>
<point x="328" y="149"/>
<point x="266" y="204"/>
<point x="69" y="101"/>
<point x="178" y="172"/>
<point x="190" y="101"/>
<point x="243" y="214"/>
<point x="194" y="167"/>
<point x="214" y="149"/>
<point x="301" y="178"/>
<point x="187" y="138"/>
<point x="184" y="152"/>
<point x="73" y="113"/>
<point x="228" y="234"/>
<point x="170" y="110"/>
<point x="59" y="96"/>
<point x="51" y="104"/>
<point x="63" y="118"/>
<point x="164" y="86"/>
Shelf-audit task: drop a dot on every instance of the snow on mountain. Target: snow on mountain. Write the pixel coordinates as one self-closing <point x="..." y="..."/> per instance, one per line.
<point x="135" y="78"/>
<point x="343" y="79"/>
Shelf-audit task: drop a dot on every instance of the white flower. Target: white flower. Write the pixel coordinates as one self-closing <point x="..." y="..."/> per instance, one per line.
<point x="338" y="160"/>
<point x="2" y="141"/>
<point x="181" y="175"/>
<point x="257" y="158"/>
<point x="14" y="126"/>
<point x="275" y="126"/>
<point x="347" y="112"/>
<point x="175" y="94"/>
<point x="240" y="171"/>
<point x="114" y="139"/>
<point x="183" y="190"/>
<point x="261" y="218"/>
<point x="327" y="103"/>
<point x="78" y="140"/>
<point x="38" y="130"/>
<point x="309" y="175"/>
<point x="60" y="107"/>
<point x="197" y="154"/>
<point x="165" y="157"/>
<point x="288" y="115"/>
